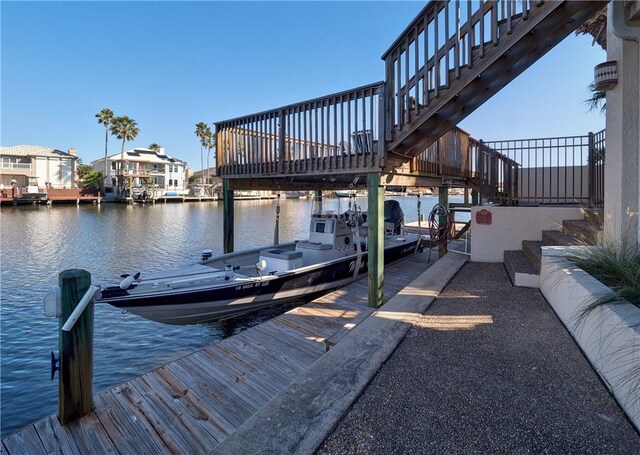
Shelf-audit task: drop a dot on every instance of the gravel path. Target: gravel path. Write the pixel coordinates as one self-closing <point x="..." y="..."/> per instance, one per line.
<point x="489" y="369"/>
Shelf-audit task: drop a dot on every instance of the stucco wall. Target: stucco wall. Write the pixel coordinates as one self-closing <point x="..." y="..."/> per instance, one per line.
<point x="511" y="225"/>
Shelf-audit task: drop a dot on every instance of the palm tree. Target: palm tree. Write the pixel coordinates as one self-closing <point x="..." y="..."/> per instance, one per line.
<point x="105" y="116"/>
<point x="155" y="147"/>
<point x="203" y="132"/>
<point x="211" y="142"/>
<point x="124" y="128"/>
<point x="598" y="99"/>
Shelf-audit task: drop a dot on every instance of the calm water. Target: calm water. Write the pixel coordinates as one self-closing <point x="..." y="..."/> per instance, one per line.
<point x="38" y="242"/>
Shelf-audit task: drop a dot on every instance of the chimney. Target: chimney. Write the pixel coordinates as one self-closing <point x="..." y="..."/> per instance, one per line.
<point x="73" y="152"/>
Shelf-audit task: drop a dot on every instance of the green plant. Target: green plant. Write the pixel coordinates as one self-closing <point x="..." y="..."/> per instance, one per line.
<point x="597" y="100"/>
<point x="92" y="179"/>
<point x="616" y="263"/>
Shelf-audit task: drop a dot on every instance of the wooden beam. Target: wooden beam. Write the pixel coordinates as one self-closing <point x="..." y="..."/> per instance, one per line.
<point x="410" y="180"/>
<point x="227" y="219"/>
<point x="376" y="240"/>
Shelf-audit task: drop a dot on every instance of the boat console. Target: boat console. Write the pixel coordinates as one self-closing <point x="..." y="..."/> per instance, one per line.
<point x="329" y="238"/>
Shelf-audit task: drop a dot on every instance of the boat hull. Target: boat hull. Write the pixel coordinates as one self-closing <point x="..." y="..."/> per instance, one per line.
<point x="235" y="299"/>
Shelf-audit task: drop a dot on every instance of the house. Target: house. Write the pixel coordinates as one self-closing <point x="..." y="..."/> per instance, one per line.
<point x="143" y="167"/>
<point x="53" y="168"/>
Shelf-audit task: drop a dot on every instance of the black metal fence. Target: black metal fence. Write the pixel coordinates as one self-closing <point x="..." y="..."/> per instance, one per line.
<point x="557" y="170"/>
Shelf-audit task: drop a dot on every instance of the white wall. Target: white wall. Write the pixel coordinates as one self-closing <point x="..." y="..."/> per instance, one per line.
<point x="622" y="171"/>
<point x="511" y="225"/>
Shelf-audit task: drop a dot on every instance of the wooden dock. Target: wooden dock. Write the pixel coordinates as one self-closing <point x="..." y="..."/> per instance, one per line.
<point x="193" y="404"/>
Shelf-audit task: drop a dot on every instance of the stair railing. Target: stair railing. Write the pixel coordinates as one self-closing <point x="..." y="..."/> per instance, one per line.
<point x="445" y="37"/>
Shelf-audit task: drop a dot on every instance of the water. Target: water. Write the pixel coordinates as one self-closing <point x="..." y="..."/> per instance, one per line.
<point x="38" y="242"/>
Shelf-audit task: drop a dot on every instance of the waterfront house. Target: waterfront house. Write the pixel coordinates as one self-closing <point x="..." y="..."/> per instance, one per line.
<point x="144" y="167"/>
<point x="53" y="168"/>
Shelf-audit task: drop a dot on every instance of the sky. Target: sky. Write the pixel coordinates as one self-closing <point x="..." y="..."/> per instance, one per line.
<point x="170" y="65"/>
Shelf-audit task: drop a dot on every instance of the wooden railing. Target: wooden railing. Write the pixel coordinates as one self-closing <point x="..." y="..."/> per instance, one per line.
<point x="494" y="175"/>
<point x="432" y="51"/>
<point x="333" y="134"/>
<point x="448" y="157"/>
<point x="455" y="55"/>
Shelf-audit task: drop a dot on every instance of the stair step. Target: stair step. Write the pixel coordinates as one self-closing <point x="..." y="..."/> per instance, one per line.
<point x="520" y="269"/>
<point x="582" y="230"/>
<point x="531" y="249"/>
<point x="557" y="238"/>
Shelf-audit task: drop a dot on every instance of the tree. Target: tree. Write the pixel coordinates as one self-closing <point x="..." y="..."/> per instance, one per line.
<point x="211" y="141"/>
<point x="92" y="179"/>
<point x="598" y="99"/>
<point x="124" y="128"/>
<point x="155" y="147"/>
<point x="105" y="117"/>
<point x="83" y="169"/>
<point x="203" y="132"/>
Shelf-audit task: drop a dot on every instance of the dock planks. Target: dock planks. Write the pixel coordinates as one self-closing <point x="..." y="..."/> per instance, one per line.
<point x="194" y="403"/>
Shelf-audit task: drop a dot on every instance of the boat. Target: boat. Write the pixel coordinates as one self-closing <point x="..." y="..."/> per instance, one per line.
<point x="233" y="284"/>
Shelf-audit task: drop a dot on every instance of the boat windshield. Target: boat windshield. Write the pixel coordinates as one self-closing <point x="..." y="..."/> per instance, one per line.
<point x="323" y="205"/>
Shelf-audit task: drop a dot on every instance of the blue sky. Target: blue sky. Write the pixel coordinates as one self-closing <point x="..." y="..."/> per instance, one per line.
<point x="170" y="65"/>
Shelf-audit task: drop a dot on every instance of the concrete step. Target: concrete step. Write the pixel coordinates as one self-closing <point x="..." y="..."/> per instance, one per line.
<point x="583" y="230"/>
<point x="531" y="249"/>
<point x="520" y="269"/>
<point x="557" y="238"/>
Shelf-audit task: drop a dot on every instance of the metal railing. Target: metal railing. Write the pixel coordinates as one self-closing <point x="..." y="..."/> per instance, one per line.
<point x="333" y="134"/>
<point x="432" y="51"/>
<point x="557" y="170"/>
<point x="6" y="165"/>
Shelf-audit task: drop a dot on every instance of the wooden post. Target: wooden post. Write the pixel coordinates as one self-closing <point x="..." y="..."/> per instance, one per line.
<point x="318" y="200"/>
<point x="443" y="198"/>
<point x="376" y="240"/>
<point x="474" y="198"/>
<point x="227" y="219"/>
<point x="75" y="382"/>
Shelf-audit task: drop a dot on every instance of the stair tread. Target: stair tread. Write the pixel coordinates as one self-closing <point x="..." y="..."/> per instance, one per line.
<point x="583" y="230"/>
<point x="519" y="262"/>
<point x="557" y="238"/>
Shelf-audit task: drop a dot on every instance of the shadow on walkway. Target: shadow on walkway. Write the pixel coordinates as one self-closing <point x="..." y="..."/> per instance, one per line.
<point x="488" y="369"/>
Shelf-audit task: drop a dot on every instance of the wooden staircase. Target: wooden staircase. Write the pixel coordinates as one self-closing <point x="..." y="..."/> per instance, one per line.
<point x="523" y="265"/>
<point x="435" y="79"/>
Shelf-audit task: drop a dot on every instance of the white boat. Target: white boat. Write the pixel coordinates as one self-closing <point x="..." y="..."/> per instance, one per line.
<point x="334" y="255"/>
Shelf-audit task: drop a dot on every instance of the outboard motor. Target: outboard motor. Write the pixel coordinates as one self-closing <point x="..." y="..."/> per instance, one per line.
<point x="393" y="217"/>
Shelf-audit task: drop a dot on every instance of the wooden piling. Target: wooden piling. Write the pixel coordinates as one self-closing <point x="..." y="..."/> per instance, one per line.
<point x="376" y="239"/>
<point x="227" y="219"/>
<point x="75" y="381"/>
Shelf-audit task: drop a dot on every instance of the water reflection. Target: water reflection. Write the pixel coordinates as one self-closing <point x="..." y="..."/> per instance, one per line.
<point x="38" y="242"/>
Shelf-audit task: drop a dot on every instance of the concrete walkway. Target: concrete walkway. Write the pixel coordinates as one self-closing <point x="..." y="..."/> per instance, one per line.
<point x="488" y="369"/>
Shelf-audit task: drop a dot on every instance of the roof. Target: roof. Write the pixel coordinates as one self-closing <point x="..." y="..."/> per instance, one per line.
<point x="34" y="150"/>
<point x="145" y="155"/>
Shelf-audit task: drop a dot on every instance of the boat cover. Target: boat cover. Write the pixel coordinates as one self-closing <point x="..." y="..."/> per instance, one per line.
<point x="393" y="214"/>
